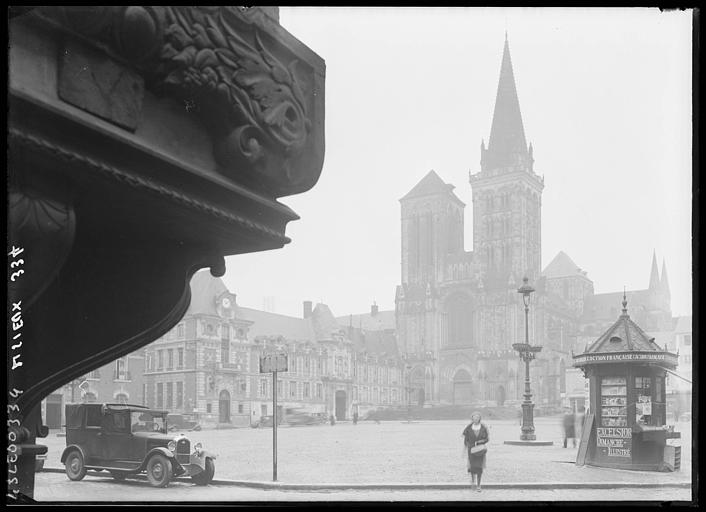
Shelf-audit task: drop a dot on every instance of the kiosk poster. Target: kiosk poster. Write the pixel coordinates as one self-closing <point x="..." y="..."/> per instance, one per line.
<point x="614" y="443"/>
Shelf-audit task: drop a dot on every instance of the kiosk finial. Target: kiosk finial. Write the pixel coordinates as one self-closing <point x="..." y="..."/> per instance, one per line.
<point x="625" y="303"/>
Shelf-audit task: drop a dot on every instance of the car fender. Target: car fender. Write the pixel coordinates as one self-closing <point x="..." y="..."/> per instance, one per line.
<point x="70" y="448"/>
<point x="159" y="449"/>
<point x="207" y="454"/>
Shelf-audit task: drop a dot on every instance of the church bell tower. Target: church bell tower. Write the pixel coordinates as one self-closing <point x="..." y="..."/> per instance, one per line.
<point x="507" y="194"/>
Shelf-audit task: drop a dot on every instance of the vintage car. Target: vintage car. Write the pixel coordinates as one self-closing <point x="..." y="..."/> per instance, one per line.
<point x="180" y="422"/>
<point x="296" y="416"/>
<point x="130" y="439"/>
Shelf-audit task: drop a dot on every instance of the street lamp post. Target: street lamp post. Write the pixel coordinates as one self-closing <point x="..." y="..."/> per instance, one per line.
<point x="409" y="393"/>
<point x="527" y="353"/>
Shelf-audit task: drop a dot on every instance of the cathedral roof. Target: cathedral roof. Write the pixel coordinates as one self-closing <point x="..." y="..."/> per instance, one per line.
<point x="204" y="290"/>
<point x="507" y="144"/>
<point x="431" y="184"/>
<point x="562" y="266"/>
<point x="601" y="305"/>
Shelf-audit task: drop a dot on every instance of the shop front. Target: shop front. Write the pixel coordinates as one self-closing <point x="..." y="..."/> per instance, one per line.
<point x="626" y="426"/>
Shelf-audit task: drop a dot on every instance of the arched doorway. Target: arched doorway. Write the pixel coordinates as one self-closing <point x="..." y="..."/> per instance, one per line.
<point x="224" y="407"/>
<point x="340" y="405"/>
<point x="501" y="395"/>
<point x="417" y="384"/>
<point x="463" y="387"/>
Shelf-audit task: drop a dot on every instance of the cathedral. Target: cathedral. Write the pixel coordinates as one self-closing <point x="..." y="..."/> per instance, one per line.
<point x="458" y="312"/>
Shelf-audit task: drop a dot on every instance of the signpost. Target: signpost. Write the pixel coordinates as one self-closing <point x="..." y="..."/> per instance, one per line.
<point x="273" y="363"/>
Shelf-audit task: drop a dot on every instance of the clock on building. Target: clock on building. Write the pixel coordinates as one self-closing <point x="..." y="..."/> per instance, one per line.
<point x="225" y="302"/>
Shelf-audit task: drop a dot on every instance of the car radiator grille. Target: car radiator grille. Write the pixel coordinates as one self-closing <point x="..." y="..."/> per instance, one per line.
<point x="183" y="451"/>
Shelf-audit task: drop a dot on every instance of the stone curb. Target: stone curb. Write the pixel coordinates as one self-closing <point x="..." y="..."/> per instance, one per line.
<point x="423" y="486"/>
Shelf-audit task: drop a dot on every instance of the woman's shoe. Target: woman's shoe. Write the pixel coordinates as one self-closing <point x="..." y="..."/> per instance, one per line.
<point x="478" y="488"/>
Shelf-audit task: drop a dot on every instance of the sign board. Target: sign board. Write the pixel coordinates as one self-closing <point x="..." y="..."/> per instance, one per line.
<point x="614" y="443"/>
<point x="273" y="363"/>
<point x="625" y="357"/>
<point x="585" y="436"/>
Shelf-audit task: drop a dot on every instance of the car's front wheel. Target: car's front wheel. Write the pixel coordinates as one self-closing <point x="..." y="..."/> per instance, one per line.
<point x="205" y="477"/>
<point x="159" y="470"/>
<point x="75" y="467"/>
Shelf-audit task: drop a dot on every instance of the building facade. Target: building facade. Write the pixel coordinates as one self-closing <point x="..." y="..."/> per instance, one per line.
<point x="208" y="365"/>
<point x="458" y="312"/>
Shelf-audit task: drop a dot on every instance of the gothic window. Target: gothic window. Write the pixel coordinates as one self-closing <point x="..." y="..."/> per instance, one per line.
<point x="460" y="320"/>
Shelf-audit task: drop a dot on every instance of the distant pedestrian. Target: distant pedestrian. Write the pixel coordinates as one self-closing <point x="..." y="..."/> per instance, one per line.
<point x="580" y="418"/>
<point x="475" y="441"/>
<point x="355" y="418"/>
<point x="332" y="419"/>
<point x="569" y="427"/>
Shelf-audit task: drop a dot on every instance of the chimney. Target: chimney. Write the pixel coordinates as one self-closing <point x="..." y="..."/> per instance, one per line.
<point x="373" y="309"/>
<point x="307" y="308"/>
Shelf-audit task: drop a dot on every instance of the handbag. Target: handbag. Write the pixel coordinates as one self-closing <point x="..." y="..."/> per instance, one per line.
<point x="478" y="449"/>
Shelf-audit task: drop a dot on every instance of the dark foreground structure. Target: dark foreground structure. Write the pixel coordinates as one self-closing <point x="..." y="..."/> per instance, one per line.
<point x="626" y="427"/>
<point x="145" y="143"/>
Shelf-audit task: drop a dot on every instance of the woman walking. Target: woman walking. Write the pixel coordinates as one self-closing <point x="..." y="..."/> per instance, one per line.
<point x="475" y="438"/>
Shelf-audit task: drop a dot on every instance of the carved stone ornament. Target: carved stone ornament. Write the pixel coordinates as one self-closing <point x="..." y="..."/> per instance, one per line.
<point x="253" y="94"/>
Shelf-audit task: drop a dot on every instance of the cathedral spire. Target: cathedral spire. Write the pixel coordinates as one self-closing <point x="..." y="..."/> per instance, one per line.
<point x="664" y="281"/>
<point x="654" y="273"/>
<point x="507" y="145"/>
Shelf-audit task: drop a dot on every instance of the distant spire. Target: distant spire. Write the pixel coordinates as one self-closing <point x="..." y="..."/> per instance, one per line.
<point x="664" y="281"/>
<point x="507" y="145"/>
<point x="654" y="273"/>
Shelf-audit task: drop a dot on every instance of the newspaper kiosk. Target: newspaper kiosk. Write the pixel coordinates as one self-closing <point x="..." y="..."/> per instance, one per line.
<point x="626" y="424"/>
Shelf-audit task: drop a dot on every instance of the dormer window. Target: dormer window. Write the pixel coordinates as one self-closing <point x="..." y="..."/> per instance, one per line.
<point x="615" y="339"/>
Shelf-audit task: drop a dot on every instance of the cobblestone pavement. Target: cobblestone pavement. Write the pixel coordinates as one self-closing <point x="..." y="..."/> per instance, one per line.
<point x="55" y="487"/>
<point x="400" y="452"/>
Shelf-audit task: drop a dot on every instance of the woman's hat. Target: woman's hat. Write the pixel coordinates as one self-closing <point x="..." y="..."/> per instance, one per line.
<point x="478" y="413"/>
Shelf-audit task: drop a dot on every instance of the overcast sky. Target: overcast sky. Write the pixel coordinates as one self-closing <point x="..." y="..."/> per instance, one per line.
<point x="605" y="96"/>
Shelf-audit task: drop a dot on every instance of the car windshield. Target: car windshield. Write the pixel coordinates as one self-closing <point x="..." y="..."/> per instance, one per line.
<point x="145" y="421"/>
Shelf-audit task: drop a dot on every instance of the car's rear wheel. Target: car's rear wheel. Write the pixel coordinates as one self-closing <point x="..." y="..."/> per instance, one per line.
<point x="118" y="475"/>
<point x="205" y="477"/>
<point x="159" y="470"/>
<point x="75" y="466"/>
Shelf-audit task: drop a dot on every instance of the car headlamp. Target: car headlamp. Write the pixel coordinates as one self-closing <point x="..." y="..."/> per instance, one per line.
<point x="172" y="446"/>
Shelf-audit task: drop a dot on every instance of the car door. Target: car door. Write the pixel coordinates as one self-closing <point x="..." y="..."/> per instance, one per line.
<point x="115" y="437"/>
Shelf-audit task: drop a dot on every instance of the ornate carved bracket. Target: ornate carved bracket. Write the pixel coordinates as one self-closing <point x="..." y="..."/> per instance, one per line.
<point x="261" y="100"/>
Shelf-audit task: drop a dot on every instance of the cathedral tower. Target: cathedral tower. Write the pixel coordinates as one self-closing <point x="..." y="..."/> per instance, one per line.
<point x="507" y="194"/>
<point x="432" y="228"/>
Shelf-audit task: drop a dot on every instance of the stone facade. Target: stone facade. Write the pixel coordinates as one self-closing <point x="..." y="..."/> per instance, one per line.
<point x="462" y="310"/>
